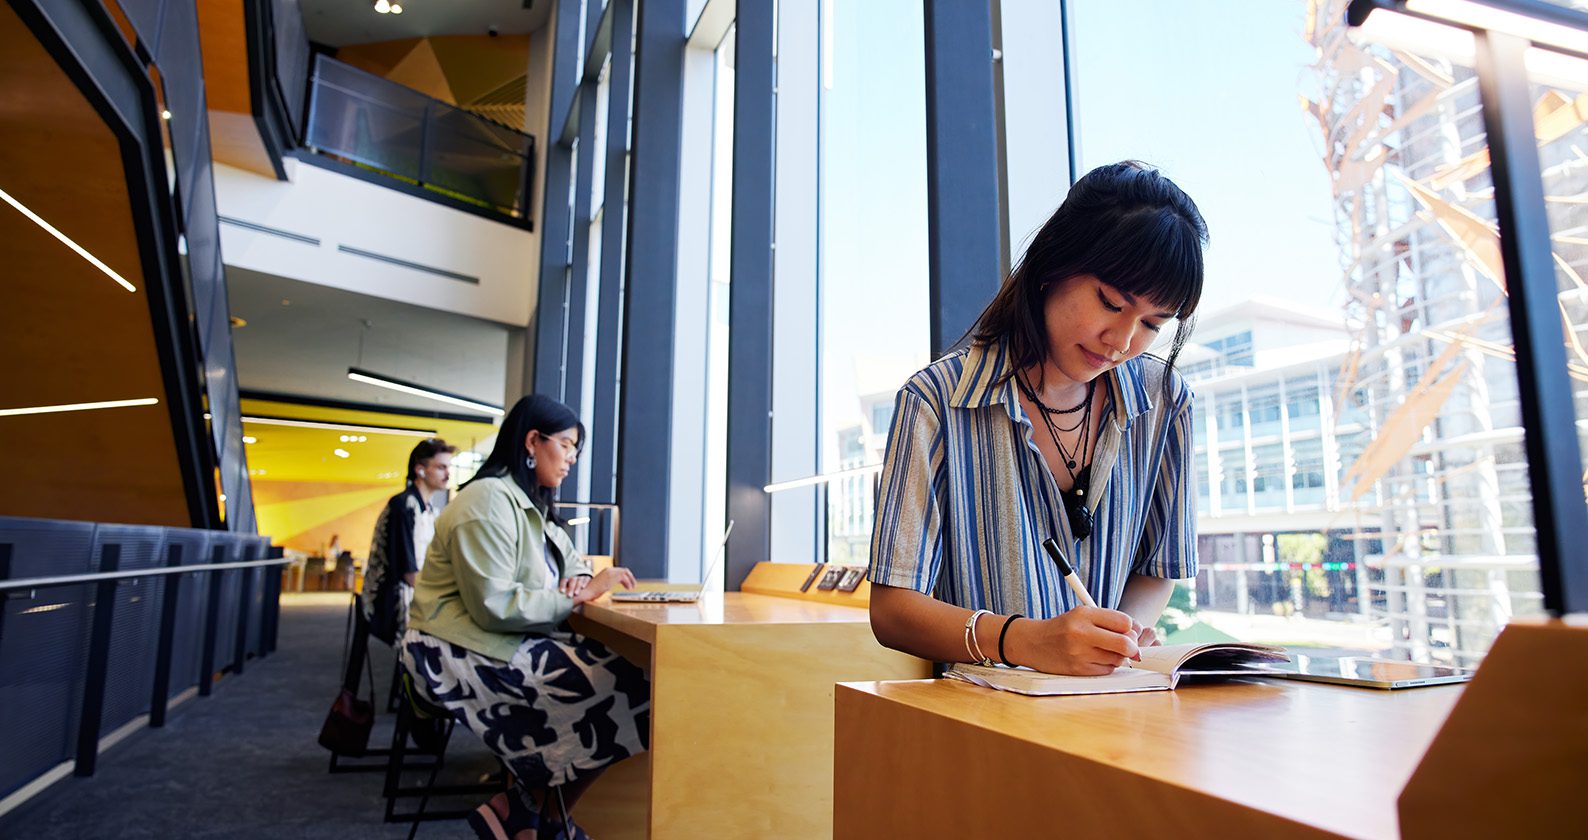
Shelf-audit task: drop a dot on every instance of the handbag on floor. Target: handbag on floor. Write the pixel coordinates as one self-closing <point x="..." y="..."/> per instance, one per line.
<point x="346" y="728"/>
<point x="348" y="724"/>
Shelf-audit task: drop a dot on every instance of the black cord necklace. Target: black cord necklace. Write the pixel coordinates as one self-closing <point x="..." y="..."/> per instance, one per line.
<point x="1031" y="395"/>
<point x="1075" y="503"/>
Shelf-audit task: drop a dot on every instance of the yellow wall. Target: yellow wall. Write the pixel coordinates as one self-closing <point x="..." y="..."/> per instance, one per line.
<point x="303" y="515"/>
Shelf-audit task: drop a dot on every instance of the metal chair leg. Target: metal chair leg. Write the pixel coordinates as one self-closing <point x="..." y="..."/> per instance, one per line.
<point x="394" y="761"/>
<point x="419" y="815"/>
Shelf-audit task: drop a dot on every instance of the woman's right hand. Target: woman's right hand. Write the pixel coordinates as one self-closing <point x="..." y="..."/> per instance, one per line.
<point x="1086" y="641"/>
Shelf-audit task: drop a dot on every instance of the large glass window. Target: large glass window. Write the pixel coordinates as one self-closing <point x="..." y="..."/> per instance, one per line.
<point x="1232" y="416"/>
<point x="1262" y="411"/>
<point x="872" y="233"/>
<point x="1379" y="393"/>
<point x="1268" y="476"/>
<point x="1303" y="405"/>
<point x="719" y="269"/>
<point x="1307" y="481"/>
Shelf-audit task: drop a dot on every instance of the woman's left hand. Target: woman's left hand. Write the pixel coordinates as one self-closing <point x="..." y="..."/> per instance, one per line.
<point x="1144" y="636"/>
<point x="603" y="583"/>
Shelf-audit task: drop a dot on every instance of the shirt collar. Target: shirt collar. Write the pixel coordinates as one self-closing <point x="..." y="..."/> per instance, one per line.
<point x="517" y="493"/>
<point x="985" y="364"/>
<point x="424" y="503"/>
<point x="1131" y="399"/>
<point x="977" y="386"/>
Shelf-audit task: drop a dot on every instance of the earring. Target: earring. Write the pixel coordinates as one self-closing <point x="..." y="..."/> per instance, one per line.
<point x="530" y="461"/>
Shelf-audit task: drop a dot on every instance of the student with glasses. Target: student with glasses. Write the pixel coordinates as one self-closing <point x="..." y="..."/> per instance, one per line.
<point x="1052" y="423"/>
<point x="487" y="639"/>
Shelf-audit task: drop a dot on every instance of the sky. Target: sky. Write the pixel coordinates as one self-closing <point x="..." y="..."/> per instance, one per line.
<point x="1209" y="92"/>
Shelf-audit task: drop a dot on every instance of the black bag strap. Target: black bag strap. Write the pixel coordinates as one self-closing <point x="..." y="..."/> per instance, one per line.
<point x="347" y="647"/>
<point x="347" y="637"/>
<point x="369" y="667"/>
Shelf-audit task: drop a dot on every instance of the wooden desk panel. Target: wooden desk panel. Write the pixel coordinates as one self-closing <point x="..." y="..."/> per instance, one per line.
<point x="741" y="713"/>
<point x="1257" y="758"/>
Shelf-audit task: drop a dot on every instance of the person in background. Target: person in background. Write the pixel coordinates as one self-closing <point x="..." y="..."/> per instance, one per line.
<point x="402" y="536"/>
<point x="487" y="640"/>
<point x="397" y="551"/>
<point x="333" y="553"/>
<point x="1054" y="422"/>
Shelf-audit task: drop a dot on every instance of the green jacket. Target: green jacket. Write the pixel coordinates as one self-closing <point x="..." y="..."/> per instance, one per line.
<point x="485" y="584"/>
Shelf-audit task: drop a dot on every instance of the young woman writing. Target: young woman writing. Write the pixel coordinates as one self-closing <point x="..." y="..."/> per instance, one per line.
<point x="1052" y="423"/>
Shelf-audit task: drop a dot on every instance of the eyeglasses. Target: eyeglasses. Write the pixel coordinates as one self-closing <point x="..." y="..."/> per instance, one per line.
<point x="569" y="448"/>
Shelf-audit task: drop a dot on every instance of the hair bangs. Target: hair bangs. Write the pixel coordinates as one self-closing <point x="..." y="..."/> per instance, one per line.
<point x="1155" y="255"/>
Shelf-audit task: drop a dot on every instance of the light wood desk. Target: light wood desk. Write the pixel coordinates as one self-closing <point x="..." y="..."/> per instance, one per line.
<point x="741" y="714"/>
<point x="1247" y="759"/>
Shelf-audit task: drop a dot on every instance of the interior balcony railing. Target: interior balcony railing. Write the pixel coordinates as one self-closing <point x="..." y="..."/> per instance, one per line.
<point x="382" y="127"/>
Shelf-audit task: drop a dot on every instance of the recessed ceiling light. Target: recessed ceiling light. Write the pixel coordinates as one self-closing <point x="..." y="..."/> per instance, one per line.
<point x="382" y="6"/>
<point x="67" y="241"/>
<point x="342" y="453"/>
<point x="250" y="439"/>
<point x="165" y="115"/>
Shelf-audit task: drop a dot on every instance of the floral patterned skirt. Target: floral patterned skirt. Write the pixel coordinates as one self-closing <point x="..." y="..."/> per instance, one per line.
<point x="564" y="706"/>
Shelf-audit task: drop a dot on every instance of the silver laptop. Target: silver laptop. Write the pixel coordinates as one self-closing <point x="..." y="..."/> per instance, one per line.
<point x="678" y="597"/>
<point x="1366" y="672"/>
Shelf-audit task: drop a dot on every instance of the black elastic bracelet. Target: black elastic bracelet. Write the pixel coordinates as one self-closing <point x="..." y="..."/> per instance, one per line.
<point x="1004" y="632"/>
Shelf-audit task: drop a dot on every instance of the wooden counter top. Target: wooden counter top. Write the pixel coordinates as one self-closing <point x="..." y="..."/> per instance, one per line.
<point x="640" y="620"/>
<point x="1325" y="759"/>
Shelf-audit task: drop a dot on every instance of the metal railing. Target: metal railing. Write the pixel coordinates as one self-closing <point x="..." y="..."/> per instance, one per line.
<point x="102" y="604"/>
<point x="393" y="129"/>
<point x="66" y="580"/>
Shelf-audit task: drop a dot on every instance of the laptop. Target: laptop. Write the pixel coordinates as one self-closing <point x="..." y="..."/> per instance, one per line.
<point x="631" y="597"/>
<point x="1367" y="673"/>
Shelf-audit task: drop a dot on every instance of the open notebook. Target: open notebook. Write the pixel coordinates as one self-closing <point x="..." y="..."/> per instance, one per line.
<point x="1160" y="669"/>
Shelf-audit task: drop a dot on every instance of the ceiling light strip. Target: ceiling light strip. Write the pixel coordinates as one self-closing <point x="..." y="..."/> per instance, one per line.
<point x="88" y="406"/>
<point x="383" y="381"/>
<point x="67" y="241"/>
<point x="339" y="427"/>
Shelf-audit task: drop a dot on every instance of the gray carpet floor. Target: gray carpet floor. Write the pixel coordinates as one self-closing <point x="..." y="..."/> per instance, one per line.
<point x="243" y="762"/>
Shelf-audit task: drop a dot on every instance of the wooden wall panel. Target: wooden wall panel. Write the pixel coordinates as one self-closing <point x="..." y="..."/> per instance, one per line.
<point x="70" y="334"/>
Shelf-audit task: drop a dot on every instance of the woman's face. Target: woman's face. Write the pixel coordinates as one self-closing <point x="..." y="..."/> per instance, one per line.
<point x="1093" y="327"/>
<point x="554" y="455"/>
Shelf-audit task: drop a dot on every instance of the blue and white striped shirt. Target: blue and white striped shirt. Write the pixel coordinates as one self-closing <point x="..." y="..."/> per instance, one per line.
<point x="965" y="499"/>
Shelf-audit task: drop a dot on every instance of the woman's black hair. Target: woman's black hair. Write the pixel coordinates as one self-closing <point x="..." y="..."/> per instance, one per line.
<point x="510" y="457"/>
<point x="1127" y="225"/>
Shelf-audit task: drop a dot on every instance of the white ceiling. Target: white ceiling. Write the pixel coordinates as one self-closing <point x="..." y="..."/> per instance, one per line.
<point x="339" y="23"/>
<point x="306" y="345"/>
